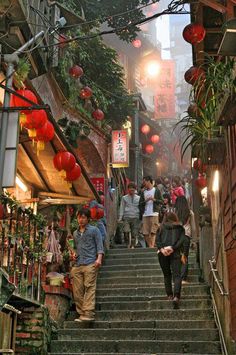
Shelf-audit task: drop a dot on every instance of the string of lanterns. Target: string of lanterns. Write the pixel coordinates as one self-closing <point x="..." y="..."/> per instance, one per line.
<point x="149" y="148"/>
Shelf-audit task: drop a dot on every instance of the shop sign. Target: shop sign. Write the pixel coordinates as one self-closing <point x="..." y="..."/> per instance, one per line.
<point x="120" y="149"/>
<point x="164" y="99"/>
<point x="98" y="182"/>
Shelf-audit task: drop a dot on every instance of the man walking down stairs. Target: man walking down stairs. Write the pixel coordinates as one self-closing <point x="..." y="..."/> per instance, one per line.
<point x="134" y="316"/>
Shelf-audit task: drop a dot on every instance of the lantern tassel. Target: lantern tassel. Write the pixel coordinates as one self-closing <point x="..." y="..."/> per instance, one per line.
<point x="32" y="133"/>
<point x="40" y="146"/>
<point x="23" y="119"/>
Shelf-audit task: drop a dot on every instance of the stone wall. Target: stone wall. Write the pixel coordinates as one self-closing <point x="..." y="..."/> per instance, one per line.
<point x="58" y="300"/>
<point x="33" y="332"/>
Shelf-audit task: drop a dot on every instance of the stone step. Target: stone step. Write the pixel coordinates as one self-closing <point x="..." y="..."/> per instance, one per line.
<point x="151" y="305"/>
<point x="140" y="256"/>
<point x="151" y="324"/>
<point x="123" y="353"/>
<point x="146" y="298"/>
<point x="147" y="266"/>
<point x="138" y="280"/>
<point x="150" y="291"/>
<point x="170" y="314"/>
<point x="137" y="346"/>
<point x="125" y="250"/>
<point x="138" y="273"/>
<point x="138" y="334"/>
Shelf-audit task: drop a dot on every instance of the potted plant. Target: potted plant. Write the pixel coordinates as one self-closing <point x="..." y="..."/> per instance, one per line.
<point x="200" y="128"/>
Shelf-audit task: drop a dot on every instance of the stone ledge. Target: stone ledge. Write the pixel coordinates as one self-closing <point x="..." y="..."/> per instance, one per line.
<point x="57" y="290"/>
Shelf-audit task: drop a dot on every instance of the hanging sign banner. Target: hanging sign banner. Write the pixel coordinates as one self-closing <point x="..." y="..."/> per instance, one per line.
<point x="120" y="149"/>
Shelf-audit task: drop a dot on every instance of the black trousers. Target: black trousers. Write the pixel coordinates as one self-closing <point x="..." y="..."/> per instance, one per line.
<point x="171" y="268"/>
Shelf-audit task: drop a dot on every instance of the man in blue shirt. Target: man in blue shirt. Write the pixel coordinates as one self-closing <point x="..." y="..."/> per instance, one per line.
<point x="89" y="252"/>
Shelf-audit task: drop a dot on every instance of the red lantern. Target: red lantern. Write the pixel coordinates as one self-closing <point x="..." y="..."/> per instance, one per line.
<point x="76" y="71"/>
<point x="155" y="139"/>
<point x="28" y="94"/>
<point x="63" y="162"/>
<point x="73" y="174"/>
<point x="198" y="165"/>
<point x="93" y="212"/>
<point x="100" y="213"/>
<point x="149" y="149"/>
<point x="194" y="33"/>
<point x="201" y="182"/>
<point x="34" y="120"/>
<point x="44" y="134"/>
<point x="194" y="75"/>
<point x="86" y="93"/>
<point x="145" y="129"/>
<point x="137" y="43"/>
<point x="98" y="115"/>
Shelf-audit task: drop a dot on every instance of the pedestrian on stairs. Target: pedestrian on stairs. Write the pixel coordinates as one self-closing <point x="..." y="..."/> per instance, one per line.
<point x="129" y="215"/>
<point x="149" y="205"/>
<point x="186" y="217"/>
<point x="89" y="252"/>
<point x="170" y="241"/>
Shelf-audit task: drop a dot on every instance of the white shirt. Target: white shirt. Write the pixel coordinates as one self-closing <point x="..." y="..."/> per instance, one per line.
<point x="149" y="204"/>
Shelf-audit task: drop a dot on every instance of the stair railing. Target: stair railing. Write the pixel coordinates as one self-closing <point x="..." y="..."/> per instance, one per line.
<point x="218" y="282"/>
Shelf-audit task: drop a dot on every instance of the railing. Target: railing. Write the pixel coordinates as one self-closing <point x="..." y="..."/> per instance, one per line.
<point x="216" y="278"/>
<point x="21" y="251"/>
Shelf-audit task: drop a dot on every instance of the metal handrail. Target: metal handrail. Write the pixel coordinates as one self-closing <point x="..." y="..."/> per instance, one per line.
<point x="216" y="279"/>
<point x="217" y="320"/>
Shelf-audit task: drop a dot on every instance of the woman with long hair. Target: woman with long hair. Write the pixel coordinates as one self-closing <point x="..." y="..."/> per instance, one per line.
<point x="170" y="241"/>
<point x="186" y="218"/>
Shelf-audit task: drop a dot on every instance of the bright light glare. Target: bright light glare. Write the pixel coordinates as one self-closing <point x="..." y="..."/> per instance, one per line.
<point x="216" y="178"/>
<point x="153" y="68"/>
<point x="21" y="185"/>
<point x="157" y="163"/>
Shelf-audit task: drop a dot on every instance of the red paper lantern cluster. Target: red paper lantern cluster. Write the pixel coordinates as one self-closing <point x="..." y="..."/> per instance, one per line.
<point x="35" y="120"/>
<point x="98" y="115"/>
<point x="43" y="135"/>
<point x="149" y="149"/>
<point x="145" y="129"/>
<point x="194" y="74"/>
<point x="86" y="93"/>
<point x="76" y="71"/>
<point x="194" y="33"/>
<point x="73" y="174"/>
<point x="201" y="182"/>
<point x="155" y="139"/>
<point x="63" y="162"/>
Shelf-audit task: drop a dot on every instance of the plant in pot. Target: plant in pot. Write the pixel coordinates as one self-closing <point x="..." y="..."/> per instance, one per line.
<point x="199" y="129"/>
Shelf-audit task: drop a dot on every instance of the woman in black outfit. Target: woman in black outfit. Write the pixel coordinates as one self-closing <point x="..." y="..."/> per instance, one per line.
<point x="170" y="241"/>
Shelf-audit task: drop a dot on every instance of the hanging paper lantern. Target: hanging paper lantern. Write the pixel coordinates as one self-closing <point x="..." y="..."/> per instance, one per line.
<point x="73" y="174"/>
<point x="145" y="129"/>
<point x="86" y="93"/>
<point x="194" y="75"/>
<point x="194" y="33"/>
<point x="149" y="149"/>
<point x="100" y="213"/>
<point x="98" y="115"/>
<point x="155" y="139"/>
<point x="76" y="71"/>
<point x="63" y="162"/>
<point x="93" y="212"/>
<point x="137" y="43"/>
<point x="201" y="182"/>
<point x="44" y="134"/>
<point x="34" y="120"/>
<point x="28" y="94"/>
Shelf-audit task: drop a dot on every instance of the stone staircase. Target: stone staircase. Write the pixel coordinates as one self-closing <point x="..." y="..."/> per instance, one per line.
<point x="134" y="317"/>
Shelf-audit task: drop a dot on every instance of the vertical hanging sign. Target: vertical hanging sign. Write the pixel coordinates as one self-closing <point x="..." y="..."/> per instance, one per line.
<point x="120" y="149"/>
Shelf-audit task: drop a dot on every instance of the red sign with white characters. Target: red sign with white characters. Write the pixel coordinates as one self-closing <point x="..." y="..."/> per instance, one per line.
<point x="165" y="91"/>
<point x="98" y="183"/>
<point x="120" y="149"/>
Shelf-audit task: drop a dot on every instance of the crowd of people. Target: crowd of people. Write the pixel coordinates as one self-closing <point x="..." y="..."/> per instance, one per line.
<point x="158" y="216"/>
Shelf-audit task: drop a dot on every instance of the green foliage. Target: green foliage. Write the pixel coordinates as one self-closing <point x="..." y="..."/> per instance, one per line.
<point x="200" y="125"/>
<point x="21" y="73"/>
<point x="117" y="14"/>
<point x="73" y="130"/>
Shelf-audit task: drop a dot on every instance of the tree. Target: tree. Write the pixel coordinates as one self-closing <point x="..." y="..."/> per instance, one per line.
<point x="116" y="14"/>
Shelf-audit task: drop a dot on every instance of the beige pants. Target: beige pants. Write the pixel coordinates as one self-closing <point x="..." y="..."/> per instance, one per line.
<point x="84" y="278"/>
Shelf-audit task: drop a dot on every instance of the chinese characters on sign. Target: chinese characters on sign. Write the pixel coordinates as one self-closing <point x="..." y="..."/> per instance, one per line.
<point x="99" y="183"/>
<point x="165" y="92"/>
<point x="120" y="149"/>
